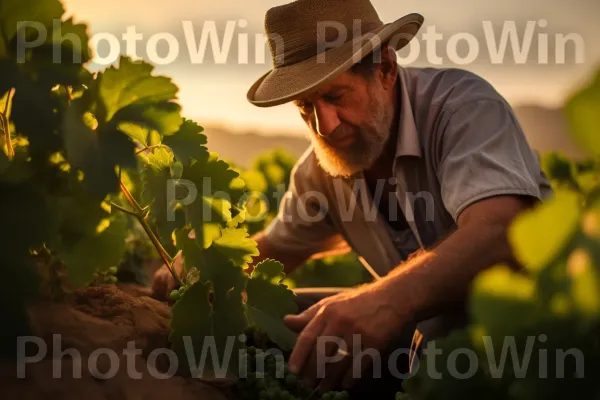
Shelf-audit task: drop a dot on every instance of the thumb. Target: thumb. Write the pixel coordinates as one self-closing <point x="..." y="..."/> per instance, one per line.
<point x="298" y="322"/>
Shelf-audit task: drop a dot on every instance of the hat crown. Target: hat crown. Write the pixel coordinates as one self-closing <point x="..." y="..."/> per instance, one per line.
<point x="304" y="28"/>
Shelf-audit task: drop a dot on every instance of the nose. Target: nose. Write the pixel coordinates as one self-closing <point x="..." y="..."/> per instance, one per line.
<point x="326" y="119"/>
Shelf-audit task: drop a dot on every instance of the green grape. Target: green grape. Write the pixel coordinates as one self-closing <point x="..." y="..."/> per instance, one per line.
<point x="251" y="350"/>
<point x="274" y="392"/>
<point x="112" y="279"/>
<point x="175" y="295"/>
<point x="328" y="396"/>
<point x="291" y="380"/>
<point x="263" y="395"/>
<point x="251" y="379"/>
<point x="341" y="395"/>
<point x="260" y="383"/>
<point x="260" y="360"/>
<point x="112" y="270"/>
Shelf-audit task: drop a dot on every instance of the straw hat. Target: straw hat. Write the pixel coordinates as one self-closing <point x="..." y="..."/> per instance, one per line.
<point x="314" y="41"/>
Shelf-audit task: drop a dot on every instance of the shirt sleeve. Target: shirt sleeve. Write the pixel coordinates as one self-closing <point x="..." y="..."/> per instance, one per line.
<point x="302" y="224"/>
<point x="485" y="153"/>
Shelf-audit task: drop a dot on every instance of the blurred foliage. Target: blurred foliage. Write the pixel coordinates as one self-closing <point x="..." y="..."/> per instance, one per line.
<point x="535" y="333"/>
<point x="267" y="180"/>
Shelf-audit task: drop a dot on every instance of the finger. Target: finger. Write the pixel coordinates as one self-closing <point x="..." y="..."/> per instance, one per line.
<point x="159" y="284"/>
<point x="177" y="263"/>
<point x="324" y="347"/>
<point x="305" y="343"/>
<point x="299" y="322"/>
<point x="360" y="364"/>
<point x="336" y="365"/>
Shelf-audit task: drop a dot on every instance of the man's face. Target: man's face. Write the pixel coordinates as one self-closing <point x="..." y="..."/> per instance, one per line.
<point x="350" y="120"/>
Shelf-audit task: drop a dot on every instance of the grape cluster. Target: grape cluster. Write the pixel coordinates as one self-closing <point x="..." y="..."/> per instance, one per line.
<point x="176" y="294"/>
<point x="266" y="377"/>
<point x="105" y="276"/>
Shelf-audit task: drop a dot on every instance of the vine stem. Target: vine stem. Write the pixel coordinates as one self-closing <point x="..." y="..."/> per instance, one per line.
<point x="146" y="148"/>
<point x="6" y="128"/>
<point x="140" y="215"/>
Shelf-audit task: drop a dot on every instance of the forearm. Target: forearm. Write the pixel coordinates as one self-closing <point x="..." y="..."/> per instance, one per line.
<point x="290" y="261"/>
<point x="439" y="280"/>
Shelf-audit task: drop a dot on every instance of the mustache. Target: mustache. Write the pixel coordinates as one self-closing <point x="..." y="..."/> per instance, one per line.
<point x="341" y="131"/>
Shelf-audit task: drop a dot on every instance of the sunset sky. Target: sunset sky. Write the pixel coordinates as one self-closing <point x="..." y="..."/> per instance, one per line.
<point x="213" y="91"/>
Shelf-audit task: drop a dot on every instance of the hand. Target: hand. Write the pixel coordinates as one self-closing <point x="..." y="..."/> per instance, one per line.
<point x="163" y="282"/>
<point x="352" y="321"/>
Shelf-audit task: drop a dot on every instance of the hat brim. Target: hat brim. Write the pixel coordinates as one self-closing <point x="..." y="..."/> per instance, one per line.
<point x="284" y="84"/>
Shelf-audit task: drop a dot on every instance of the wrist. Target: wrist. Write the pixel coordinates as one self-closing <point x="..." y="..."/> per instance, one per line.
<point x="397" y="294"/>
<point x="409" y="288"/>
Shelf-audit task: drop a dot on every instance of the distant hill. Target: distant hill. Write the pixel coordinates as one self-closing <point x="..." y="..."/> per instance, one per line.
<point x="243" y="147"/>
<point x="545" y="128"/>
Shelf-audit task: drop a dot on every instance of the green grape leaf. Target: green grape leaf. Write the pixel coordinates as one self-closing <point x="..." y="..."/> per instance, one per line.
<point x="160" y="193"/>
<point x="96" y="152"/>
<point x="47" y="59"/>
<point x="130" y="93"/>
<point x="107" y="246"/>
<point x="210" y="184"/>
<point x="155" y="178"/>
<point x="132" y="83"/>
<point x="274" y="327"/>
<point x="239" y="218"/>
<point x="213" y="264"/>
<point x="176" y="170"/>
<point x="581" y="111"/>
<point x="162" y="117"/>
<point x="190" y="320"/>
<point x="59" y="61"/>
<point x="141" y="134"/>
<point x="228" y="316"/>
<point x="539" y="236"/>
<point x="14" y="11"/>
<point x="266" y="295"/>
<point x="160" y="159"/>
<point x="19" y="169"/>
<point x="80" y="214"/>
<point x="217" y="324"/>
<point x="28" y="220"/>
<point x="235" y="244"/>
<point x="188" y="143"/>
<point x="269" y="270"/>
<point x="503" y="301"/>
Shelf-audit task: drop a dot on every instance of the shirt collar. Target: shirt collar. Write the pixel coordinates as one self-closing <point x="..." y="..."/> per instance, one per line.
<point x="408" y="143"/>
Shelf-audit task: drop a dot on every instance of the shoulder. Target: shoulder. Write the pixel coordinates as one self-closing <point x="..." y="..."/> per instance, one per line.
<point x="448" y="89"/>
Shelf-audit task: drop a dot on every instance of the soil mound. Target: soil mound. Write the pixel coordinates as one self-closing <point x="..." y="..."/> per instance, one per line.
<point x="103" y="342"/>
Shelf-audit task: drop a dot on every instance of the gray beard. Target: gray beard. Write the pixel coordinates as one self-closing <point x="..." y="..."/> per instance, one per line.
<point x="367" y="147"/>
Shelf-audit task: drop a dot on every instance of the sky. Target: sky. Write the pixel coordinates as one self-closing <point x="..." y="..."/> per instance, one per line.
<point x="213" y="82"/>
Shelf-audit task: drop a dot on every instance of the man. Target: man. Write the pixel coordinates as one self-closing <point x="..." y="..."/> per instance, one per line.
<point x="442" y="142"/>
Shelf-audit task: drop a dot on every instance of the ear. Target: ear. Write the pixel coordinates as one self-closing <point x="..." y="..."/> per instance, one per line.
<point x="389" y="67"/>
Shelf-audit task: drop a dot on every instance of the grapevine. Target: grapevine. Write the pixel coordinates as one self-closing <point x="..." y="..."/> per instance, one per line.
<point x="109" y="150"/>
<point x="85" y="156"/>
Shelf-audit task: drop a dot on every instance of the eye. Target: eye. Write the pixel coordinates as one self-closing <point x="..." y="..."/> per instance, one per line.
<point x="331" y="98"/>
